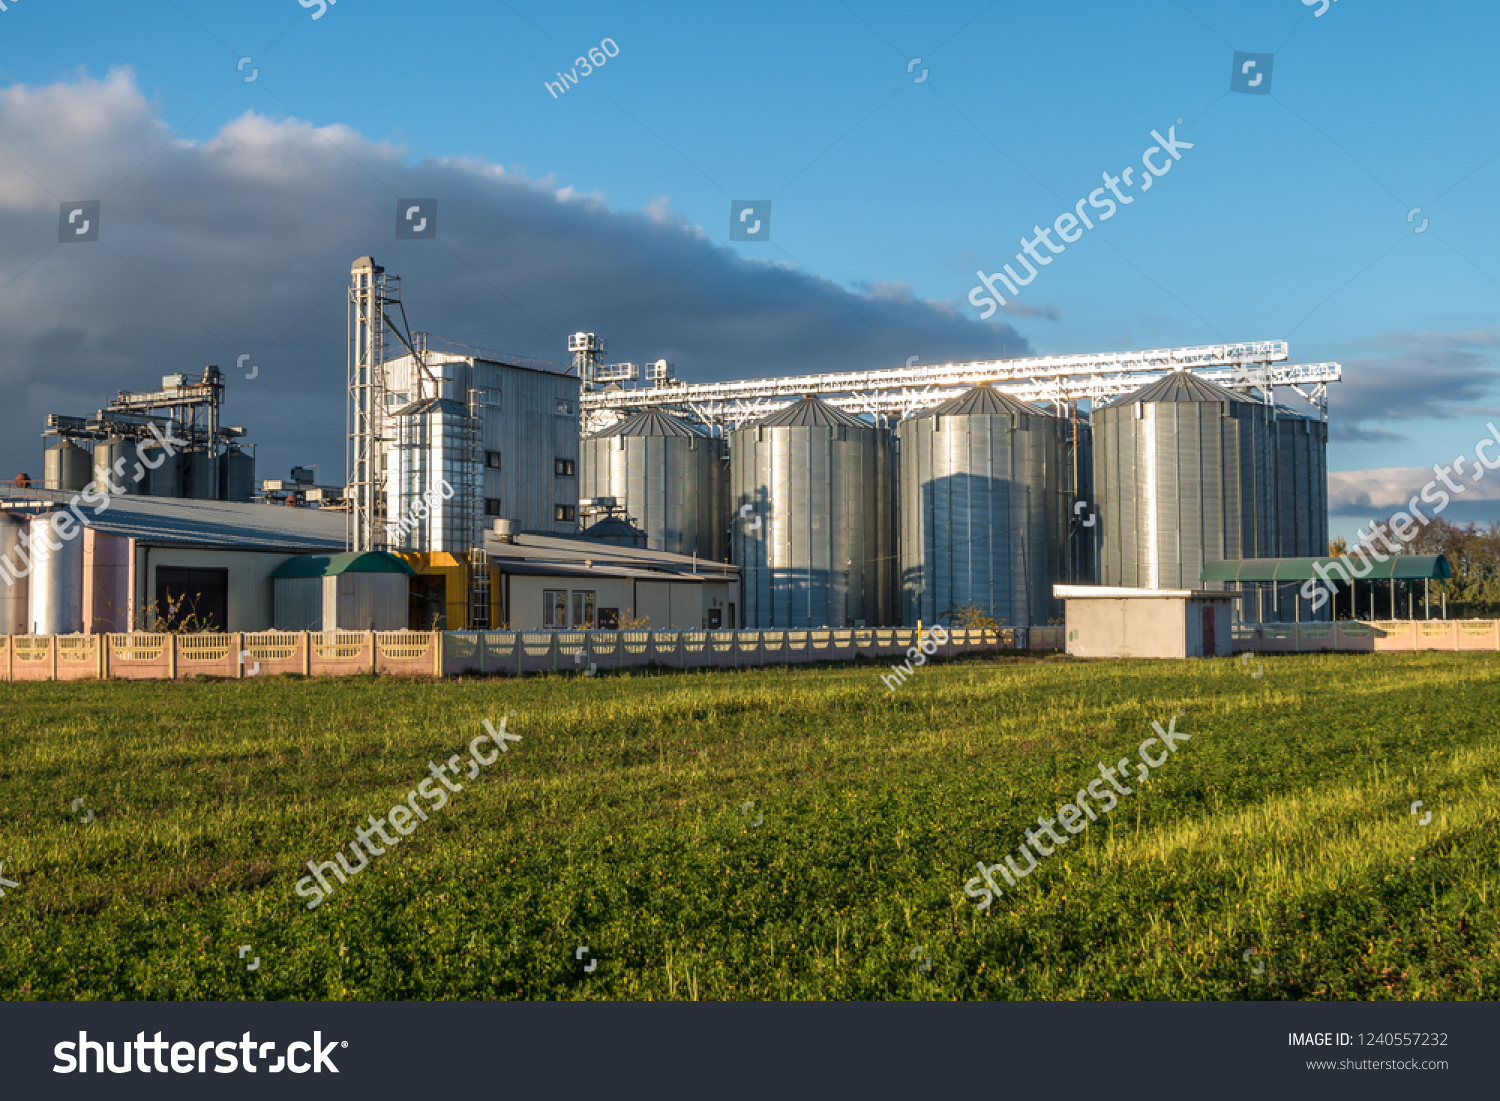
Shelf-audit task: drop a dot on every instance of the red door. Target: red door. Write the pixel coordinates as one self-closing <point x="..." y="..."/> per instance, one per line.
<point x="1208" y="631"/>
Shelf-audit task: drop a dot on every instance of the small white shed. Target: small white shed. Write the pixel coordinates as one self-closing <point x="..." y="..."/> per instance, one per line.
<point x="341" y="592"/>
<point x="1109" y="622"/>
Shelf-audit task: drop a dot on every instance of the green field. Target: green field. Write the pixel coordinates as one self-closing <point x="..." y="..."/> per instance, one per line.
<point x="620" y="823"/>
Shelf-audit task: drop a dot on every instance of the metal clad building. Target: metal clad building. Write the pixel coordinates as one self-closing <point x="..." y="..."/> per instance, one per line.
<point x="672" y="479"/>
<point x="984" y="509"/>
<point x="815" y="544"/>
<point x="527" y="441"/>
<point x="1185" y="472"/>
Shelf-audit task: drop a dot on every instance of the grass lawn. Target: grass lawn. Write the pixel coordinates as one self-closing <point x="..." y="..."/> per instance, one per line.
<point x="768" y="834"/>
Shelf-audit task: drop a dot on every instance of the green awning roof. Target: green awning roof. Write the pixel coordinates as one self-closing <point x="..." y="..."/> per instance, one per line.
<point x="330" y="565"/>
<point x="1363" y="567"/>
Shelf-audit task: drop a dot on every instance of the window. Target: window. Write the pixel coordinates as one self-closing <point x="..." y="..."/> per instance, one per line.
<point x="583" y="610"/>
<point x="609" y="619"/>
<point x="565" y="514"/>
<point x="492" y="506"/>
<point x="396" y="399"/>
<point x="563" y="468"/>
<point x="489" y="397"/>
<point x="564" y="407"/>
<point x="555" y="608"/>
<point x="492" y="460"/>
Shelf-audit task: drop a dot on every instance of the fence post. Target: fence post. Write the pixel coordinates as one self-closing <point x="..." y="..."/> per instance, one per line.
<point x="619" y="649"/>
<point x="237" y="644"/>
<point x="554" y="651"/>
<point x="307" y="653"/>
<point x="479" y="645"/>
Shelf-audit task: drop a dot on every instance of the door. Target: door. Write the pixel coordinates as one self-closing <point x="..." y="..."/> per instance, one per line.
<point x="1208" y="631"/>
<point x="191" y="600"/>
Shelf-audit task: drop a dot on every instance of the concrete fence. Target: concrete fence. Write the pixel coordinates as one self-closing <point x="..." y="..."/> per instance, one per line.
<point x="1378" y="636"/>
<point x="141" y="656"/>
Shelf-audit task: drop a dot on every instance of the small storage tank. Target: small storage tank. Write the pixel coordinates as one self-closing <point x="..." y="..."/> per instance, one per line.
<point x="671" y="478"/>
<point x="812" y="527"/>
<point x="66" y="467"/>
<point x="985" y="509"/>
<point x="1185" y="474"/>
<point x="55" y="599"/>
<point x="236" y="475"/>
<point x="15" y="580"/>
<point x="107" y="453"/>
<point x="201" y="474"/>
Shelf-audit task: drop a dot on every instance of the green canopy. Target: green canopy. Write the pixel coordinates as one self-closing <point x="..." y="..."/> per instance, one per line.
<point x="330" y="565"/>
<point x="1365" y="567"/>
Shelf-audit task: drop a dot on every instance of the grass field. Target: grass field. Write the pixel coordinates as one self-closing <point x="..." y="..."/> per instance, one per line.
<point x="619" y="823"/>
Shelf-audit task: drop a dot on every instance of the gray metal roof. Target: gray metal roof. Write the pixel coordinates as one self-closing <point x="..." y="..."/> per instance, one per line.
<point x="983" y="401"/>
<point x="1181" y="386"/>
<point x="575" y="549"/>
<point x="171" y="520"/>
<point x="811" y="412"/>
<point x="648" y="422"/>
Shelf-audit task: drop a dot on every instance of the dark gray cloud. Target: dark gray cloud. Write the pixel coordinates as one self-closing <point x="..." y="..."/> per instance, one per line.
<point x="242" y="245"/>
<point x="1421" y="376"/>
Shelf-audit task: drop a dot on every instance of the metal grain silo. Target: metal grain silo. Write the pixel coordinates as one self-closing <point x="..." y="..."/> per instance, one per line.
<point x="236" y="475"/>
<point x="1301" y="485"/>
<point x="164" y="479"/>
<point x="812" y="526"/>
<point x="984" y="509"/>
<point x="66" y="467"/>
<point x="55" y="600"/>
<point x="107" y="455"/>
<point x="15" y="580"/>
<point x="1185" y="473"/>
<point x="671" y="478"/>
<point x="200" y="474"/>
<point x="1301" y="504"/>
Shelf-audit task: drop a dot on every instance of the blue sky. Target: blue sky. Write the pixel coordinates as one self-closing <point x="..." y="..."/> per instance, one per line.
<point x="1286" y="220"/>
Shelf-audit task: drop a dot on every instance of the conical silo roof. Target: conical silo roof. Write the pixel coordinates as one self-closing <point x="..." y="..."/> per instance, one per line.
<point x="983" y="400"/>
<point x="1181" y="386"/>
<point x="811" y="412"/>
<point x="647" y="422"/>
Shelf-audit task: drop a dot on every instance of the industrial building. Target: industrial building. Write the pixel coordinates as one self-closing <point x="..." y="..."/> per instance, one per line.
<point x="492" y="491"/>
<point x="139" y="563"/>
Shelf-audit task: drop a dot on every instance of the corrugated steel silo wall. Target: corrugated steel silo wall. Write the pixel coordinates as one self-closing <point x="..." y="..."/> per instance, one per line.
<point x="1302" y="485"/>
<point x="1212" y="476"/>
<point x="821" y="554"/>
<point x="675" y="488"/>
<point x="15" y="611"/>
<point x="984" y="516"/>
